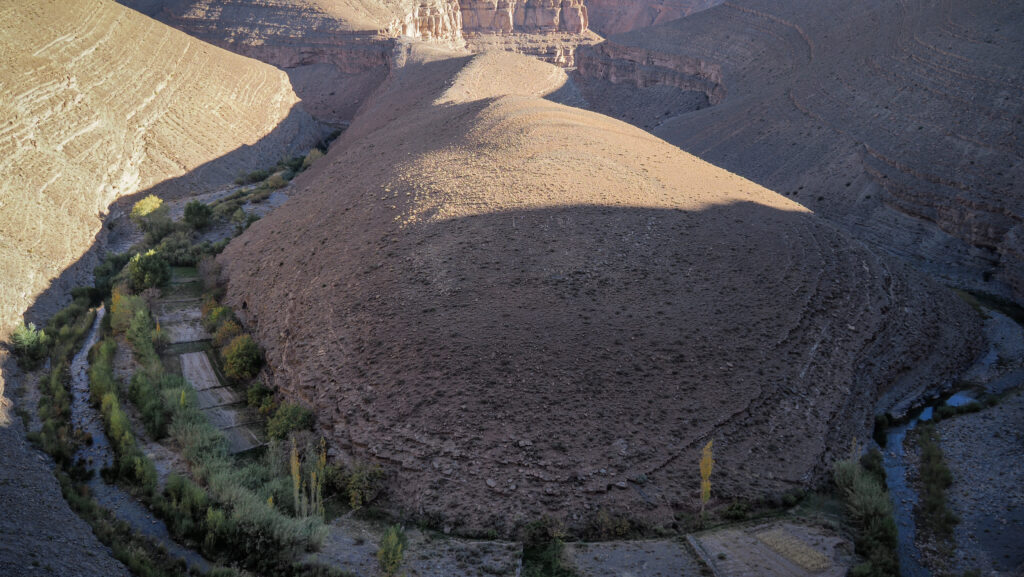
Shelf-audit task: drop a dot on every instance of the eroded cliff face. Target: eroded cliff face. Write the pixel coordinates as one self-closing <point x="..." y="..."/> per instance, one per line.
<point x="642" y="68"/>
<point x="99" y="102"/>
<point x="528" y="16"/>
<point x="609" y="17"/>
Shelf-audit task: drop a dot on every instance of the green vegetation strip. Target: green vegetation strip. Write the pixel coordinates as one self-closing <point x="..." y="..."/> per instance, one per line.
<point x="934" y="515"/>
<point x="862" y="487"/>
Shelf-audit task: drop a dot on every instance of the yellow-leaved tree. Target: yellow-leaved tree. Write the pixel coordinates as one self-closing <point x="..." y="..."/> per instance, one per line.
<point x="707" y="461"/>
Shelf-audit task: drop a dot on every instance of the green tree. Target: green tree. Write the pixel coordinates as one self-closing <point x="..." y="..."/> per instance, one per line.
<point x="30" y="344"/>
<point x="242" y="358"/>
<point x="147" y="270"/>
<point x="197" y="214"/>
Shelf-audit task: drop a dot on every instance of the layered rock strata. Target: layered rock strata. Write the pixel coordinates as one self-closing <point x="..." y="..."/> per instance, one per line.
<point x="100" y="102"/>
<point x="608" y="17"/>
<point x="539" y="310"/>
<point x="902" y="122"/>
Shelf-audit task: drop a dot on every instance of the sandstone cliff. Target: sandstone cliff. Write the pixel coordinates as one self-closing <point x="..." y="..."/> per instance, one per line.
<point x="540" y="310"/>
<point x="353" y="39"/>
<point x="99" y="102"/>
<point x="899" y="121"/>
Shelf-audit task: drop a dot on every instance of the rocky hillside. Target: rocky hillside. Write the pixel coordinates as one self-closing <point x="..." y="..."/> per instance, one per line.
<point x="901" y="121"/>
<point x="338" y="51"/>
<point x="609" y="17"/>
<point x="100" y="102"/>
<point x="541" y="310"/>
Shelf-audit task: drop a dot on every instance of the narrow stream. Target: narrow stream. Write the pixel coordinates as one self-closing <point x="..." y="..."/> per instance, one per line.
<point x="99" y="454"/>
<point x="904" y="497"/>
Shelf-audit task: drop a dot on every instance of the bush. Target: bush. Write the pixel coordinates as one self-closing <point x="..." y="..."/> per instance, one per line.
<point x="105" y="274"/>
<point x="215" y="315"/>
<point x="147" y="270"/>
<point x="242" y="358"/>
<point x="313" y="156"/>
<point x="870" y="509"/>
<point x="30" y="345"/>
<point x="147" y="208"/>
<point x="289" y="417"/>
<point x="254" y="176"/>
<point x="177" y="248"/>
<point x="197" y="215"/>
<point x="392" y="549"/>
<point x="277" y="180"/>
<point x="226" y="332"/>
<point x="261" y="398"/>
<point x="936" y="477"/>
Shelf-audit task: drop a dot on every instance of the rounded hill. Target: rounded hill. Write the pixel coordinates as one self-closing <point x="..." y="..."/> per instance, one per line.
<point x="521" y="308"/>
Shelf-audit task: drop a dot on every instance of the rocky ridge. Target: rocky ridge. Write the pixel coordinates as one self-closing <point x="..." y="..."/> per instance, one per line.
<point x="903" y="125"/>
<point x="540" y="310"/>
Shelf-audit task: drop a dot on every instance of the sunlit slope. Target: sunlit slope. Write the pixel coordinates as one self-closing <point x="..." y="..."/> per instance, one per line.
<point x="97" y="102"/>
<point x="521" y="308"/>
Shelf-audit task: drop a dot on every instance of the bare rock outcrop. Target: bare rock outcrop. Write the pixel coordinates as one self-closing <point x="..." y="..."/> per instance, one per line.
<point x="541" y="310"/>
<point x="902" y="122"/>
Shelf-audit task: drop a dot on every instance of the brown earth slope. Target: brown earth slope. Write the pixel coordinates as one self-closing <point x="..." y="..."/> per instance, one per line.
<point x="99" y="102"/>
<point x="902" y="121"/>
<point x="521" y="308"/>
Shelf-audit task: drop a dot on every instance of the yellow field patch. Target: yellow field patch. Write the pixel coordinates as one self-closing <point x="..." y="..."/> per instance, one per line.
<point x="792" y="548"/>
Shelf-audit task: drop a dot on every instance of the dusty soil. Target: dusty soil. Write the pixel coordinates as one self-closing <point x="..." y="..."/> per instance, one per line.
<point x="775" y="549"/>
<point x="660" y="558"/>
<point x="984" y="451"/>
<point x="523" y="308"/>
<point x="351" y="545"/>
<point x="902" y="125"/>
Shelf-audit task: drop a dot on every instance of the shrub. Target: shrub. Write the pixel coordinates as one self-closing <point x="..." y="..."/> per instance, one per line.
<point x="289" y="417"/>
<point x="30" y="345"/>
<point x="254" y="176"/>
<point x="242" y="358"/>
<point x="313" y="156"/>
<point x="277" y="180"/>
<point x="146" y="209"/>
<point x="215" y="315"/>
<point x="935" y="479"/>
<point x="197" y="215"/>
<point x="147" y="270"/>
<point x="177" y="248"/>
<point x="870" y="509"/>
<point x="107" y="271"/>
<point x="226" y="332"/>
<point x="392" y="549"/>
<point x="261" y="397"/>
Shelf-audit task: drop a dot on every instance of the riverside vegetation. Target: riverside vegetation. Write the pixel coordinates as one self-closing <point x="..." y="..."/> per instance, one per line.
<point x="256" y="512"/>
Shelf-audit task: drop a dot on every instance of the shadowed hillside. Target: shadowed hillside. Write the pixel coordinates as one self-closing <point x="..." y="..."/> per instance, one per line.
<point x="106" y="103"/>
<point x="902" y="121"/>
<point x="523" y="308"/>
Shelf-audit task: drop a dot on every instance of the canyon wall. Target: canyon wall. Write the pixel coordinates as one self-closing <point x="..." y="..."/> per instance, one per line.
<point x="99" y="102"/>
<point x="901" y="122"/>
<point x="608" y="17"/>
